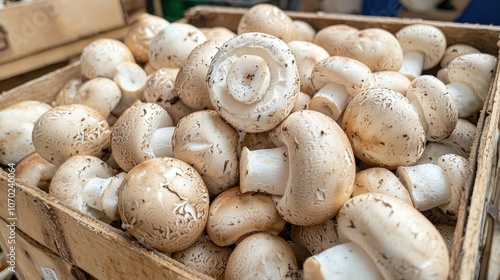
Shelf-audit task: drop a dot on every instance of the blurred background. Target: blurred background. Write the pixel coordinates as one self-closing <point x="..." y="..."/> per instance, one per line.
<point x="471" y="11"/>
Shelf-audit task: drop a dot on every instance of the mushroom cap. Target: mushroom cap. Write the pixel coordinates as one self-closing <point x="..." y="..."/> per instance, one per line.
<point x="376" y="48"/>
<point x="173" y="44"/>
<point x="352" y="74"/>
<point x="269" y="19"/>
<point x="68" y="130"/>
<point x="234" y="215"/>
<point x="218" y="33"/>
<point x="205" y="257"/>
<point x="455" y="51"/>
<point x="316" y="238"/>
<point x="16" y="125"/>
<point x="141" y="33"/>
<point x="190" y="84"/>
<point x="332" y="37"/>
<point x="433" y="151"/>
<point x="262" y="256"/>
<point x="133" y="132"/>
<point x="69" y="179"/>
<point x="36" y="171"/>
<point x="100" y="93"/>
<point x="476" y="69"/>
<point x="209" y="144"/>
<point x="304" y="31"/>
<point x="318" y="185"/>
<point x="462" y="138"/>
<point x="401" y="241"/>
<point x="101" y="56"/>
<point x="391" y="79"/>
<point x="456" y="172"/>
<point x="257" y="96"/>
<point x="439" y="114"/>
<point x="302" y="102"/>
<point x="307" y="55"/>
<point x="424" y="38"/>
<point x="380" y="180"/>
<point x="164" y="203"/>
<point x="383" y="128"/>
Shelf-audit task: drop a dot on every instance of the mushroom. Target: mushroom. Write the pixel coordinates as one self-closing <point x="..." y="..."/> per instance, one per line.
<point x="447" y="232"/>
<point x="375" y="47"/>
<point x="160" y="90"/>
<point x="67" y="94"/>
<point x="132" y="80"/>
<point x="316" y="238"/>
<point x="470" y="76"/>
<point x="343" y="261"/>
<point x="206" y="142"/>
<point x="303" y="31"/>
<point x="307" y="190"/>
<point x="383" y="129"/>
<point x="141" y="33"/>
<point x="206" y="257"/>
<point x="89" y="186"/>
<point x="380" y="180"/>
<point x="332" y="37"/>
<point x="253" y="82"/>
<point x="101" y="56"/>
<point x="336" y="80"/>
<point x="142" y="132"/>
<point x="16" y="125"/>
<point x="307" y="55"/>
<point x="302" y="102"/>
<point x="173" y="44"/>
<point x="163" y="202"/>
<point x="262" y="256"/>
<point x="234" y="215"/>
<point x="269" y="19"/>
<point x="190" y="84"/>
<point x="451" y="53"/>
<point x="69" y="130"/>
<point x="36" y="171"/>
<point x="99" y="93"/>
<point x="433" y="185"/>
<point x="423" y="47"/>
<point x="400" y="240"/>
<point x="218" y="33"/>
<point x="433" y="151"/>
<point x="391" y="79"/>
<point x="435" y="106"/>
<point x="461" y="138"/>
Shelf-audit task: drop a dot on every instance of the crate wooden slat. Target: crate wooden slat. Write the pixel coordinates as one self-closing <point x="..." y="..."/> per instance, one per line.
<point x="105" y="252"/>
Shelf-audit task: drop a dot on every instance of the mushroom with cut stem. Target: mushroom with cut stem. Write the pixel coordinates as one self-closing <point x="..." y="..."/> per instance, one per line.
<point x="423" y="47"/>
<point x="234" y="215"/>
<point x="17" y="122"/>
<point x="316" y="238"/>
<point x="289" y="172"/>
<point x="36" y="171"/>
<point x="262" y="255"/>
<point x="88" y="185"/>
<point x="164" y="204"/>
<point x="336" y="80"/>
<point x="451" y="53"/>
<point x="401" y="241"/>
<point x="253" y="82"/>
<point x="132" y="80"/>
<point x="69" y="130"/>
<point x="142" y="132"/>
<point x="343" y="261"/>
<point x="209" y="144"/>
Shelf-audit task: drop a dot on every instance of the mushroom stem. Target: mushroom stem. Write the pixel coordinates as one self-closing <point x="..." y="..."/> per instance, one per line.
<point x="264" y="170"/>
<point x="102" y="194"/>
<point x="248" y="79"/>
<point x="413" y="62"/>
<point x="162" y="141"/>
<point x="466" y="98"/>
<point x="331" y="100"/>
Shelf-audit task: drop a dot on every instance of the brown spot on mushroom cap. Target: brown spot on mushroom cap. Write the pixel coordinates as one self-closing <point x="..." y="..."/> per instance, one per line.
<point x="376" y="116"/>
<point x="164" y="203"/>
<point x="70" y="130"/>
<point x="233" y="215"/>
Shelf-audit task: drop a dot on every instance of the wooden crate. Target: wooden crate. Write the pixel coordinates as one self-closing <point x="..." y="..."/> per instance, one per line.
<point x="43" y="32"/>
<point x="83" y="246"/>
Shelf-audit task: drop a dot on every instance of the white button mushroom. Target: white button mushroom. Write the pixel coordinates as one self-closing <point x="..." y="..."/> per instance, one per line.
<point x="383" y="128"/>
<point x="36" y="171"/>
<point x="313" y="165"/>
<point x="142" y="132"/>
<point x="218" y="33"/>
<point x="234" y="215"/>
<point x="99" y="93"/>
<point x="304" y="31"/>
<point x="452" y="52"/>
<point x="88" y="185"/>
<point x="332" y="37"/>
<point x="253" y="82"/>
<point x="101" y="56"/>
<point x="164" y="203"/>
<point x="455" y="168"/>
<point x="423" y="47"/>
<point x="262" y="256"/>
<point x="132" y="80"/>
<point x="69" y="130"/>
<point x="391" y="79"/>
<point x="206" y="142"/>
<point x="336" y="80"/>
<point x="399" y="239"/>
<point x="302" y="102"/>
<point x="16" y="126"/>
<point x="315" y="238"/>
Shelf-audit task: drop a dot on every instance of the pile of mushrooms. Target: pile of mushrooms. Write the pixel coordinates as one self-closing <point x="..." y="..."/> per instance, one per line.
<point x="286" y="148"/>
